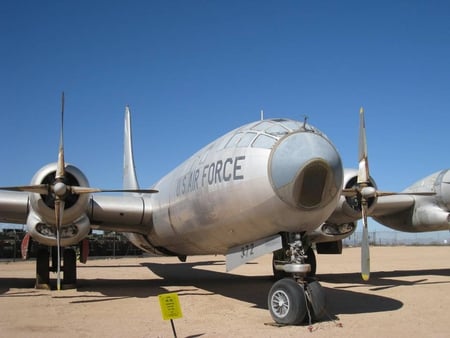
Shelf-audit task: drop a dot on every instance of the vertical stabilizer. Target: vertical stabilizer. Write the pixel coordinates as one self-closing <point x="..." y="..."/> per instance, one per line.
<point x="129" y="171"/>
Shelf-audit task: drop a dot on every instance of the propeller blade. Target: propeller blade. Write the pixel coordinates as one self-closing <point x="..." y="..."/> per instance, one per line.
<point x="349" y="192"/>
<point x="59" y="212"/>
<point x="42" y="189"/>
<point x="59" y="188"/>
<point x="89" y="190"/>
<point x="365" y="254"/>
<point x="363" y="172"/>
<point x="45" y="189"/>
<point x="365" y="193"/>
<point x="389" y="193"/>
<point x="60" y="169"/>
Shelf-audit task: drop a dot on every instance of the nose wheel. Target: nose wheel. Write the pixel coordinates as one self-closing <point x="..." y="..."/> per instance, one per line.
<point x="287" y="302"/>
<point x="292" y="301"/>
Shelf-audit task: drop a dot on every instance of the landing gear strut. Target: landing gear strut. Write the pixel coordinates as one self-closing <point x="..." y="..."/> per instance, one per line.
<point x="293" y="300"/>
<point x="43" y="268"/>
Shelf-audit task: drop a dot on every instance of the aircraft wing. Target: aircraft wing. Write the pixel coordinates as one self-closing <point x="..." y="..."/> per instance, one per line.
<point x="116" y="213"/>
<point x="389" y="205"/>
<point x="13" y="207"/>
<point x="426" y="209"/>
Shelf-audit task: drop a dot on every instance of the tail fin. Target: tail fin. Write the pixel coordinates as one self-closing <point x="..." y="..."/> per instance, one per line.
<point x="129" y="170"/>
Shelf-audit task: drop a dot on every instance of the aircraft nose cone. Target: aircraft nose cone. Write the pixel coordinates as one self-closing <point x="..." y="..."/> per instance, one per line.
<point x="306" y="170"/>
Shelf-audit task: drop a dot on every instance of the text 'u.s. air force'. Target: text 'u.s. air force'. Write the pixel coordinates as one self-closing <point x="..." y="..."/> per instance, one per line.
<point x="216" y="172"/>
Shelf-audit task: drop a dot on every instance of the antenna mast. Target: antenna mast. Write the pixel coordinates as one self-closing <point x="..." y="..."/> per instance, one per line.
<point x="305" y="120"/>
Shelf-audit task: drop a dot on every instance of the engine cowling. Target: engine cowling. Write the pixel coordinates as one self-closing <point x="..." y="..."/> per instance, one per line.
<point x="438" y="182"/>
<point x="41" y="219"/>
<point x="348" y="209"/>
<point x="342" y="222"/>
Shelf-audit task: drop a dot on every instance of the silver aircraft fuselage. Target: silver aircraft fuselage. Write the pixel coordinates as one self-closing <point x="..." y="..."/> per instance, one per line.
<point x="258" y="180"/>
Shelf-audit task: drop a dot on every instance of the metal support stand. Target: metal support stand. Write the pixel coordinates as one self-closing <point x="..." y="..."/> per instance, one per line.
<point x="173" y="328"/>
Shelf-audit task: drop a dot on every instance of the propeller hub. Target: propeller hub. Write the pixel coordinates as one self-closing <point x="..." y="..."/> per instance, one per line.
<point x="60" y="189"/>
<point x="368" y="192"/>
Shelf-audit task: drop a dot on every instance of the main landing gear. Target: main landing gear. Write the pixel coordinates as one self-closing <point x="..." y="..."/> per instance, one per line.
<point x="293" y="300"/>
<point x="43" y="268"/>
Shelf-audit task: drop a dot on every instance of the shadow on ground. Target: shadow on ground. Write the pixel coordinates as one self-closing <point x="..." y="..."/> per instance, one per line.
<point x="192" y="279"/>
<point x="381" y="280"/>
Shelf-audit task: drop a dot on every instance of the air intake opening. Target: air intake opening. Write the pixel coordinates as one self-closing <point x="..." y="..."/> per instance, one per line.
<point x="310" y="185"/>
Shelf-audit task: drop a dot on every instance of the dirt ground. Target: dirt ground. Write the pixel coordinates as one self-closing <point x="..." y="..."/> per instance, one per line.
<point x="407" y="295"/>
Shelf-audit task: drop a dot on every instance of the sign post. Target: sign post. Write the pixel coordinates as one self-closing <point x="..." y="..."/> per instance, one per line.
<point x="170" y="308"/>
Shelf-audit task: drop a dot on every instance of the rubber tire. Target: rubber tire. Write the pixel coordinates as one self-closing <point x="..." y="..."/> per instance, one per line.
<point x="317" y="301"/>
<point x="287" y="302"/>
<point x="70" y="268"/>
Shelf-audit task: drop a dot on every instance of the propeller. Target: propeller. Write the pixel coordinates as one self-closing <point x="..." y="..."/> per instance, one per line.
<point x="60" y="190"/>
<point x="365" y="191"/>
<point x="47" y="189"/>
<point x="363" y="185"/>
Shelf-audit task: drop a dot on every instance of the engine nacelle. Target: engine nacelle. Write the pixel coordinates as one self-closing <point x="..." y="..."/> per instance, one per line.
<point x="428" y="213"/>
<point x="70" y="234"/>
<point x="41" y="219"/>
<point x="329" y="232"/>
<point x="342" y="222"/>
<point x="348" y="209"/>
<point x="438" y="182"/>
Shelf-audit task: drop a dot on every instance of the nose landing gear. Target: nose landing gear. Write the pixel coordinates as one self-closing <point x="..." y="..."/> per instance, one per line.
<point x="293" y="300"/>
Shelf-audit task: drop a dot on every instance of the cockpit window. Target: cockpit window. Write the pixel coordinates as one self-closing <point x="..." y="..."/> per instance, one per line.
<point x="293" y="125"/>
<point x="277" y="130"/>
<point x="234" y="140"/>
<point x="264" y="141"/>
<point x="262" y="134"/>
<point x="246" y="140"/>
<point x="222" y="142"/>
<point x="263" y="125"/>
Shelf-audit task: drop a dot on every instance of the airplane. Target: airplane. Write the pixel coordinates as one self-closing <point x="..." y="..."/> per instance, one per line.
<point x="273" y="186"/>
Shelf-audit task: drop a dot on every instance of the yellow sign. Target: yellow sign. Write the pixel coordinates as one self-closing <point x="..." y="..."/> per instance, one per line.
<point x="170" y="306"/>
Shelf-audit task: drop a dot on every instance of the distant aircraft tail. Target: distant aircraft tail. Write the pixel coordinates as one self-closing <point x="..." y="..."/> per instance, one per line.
<point x="129" y="171"/>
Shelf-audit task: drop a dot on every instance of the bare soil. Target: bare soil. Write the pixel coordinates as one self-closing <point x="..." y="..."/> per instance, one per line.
<point x="407" y="295"/>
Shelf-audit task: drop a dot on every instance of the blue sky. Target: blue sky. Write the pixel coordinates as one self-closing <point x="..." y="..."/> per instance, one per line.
<point x="193" y="70"/>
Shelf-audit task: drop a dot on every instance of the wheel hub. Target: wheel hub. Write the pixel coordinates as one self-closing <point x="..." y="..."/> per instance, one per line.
<point x="280" y="303"/>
